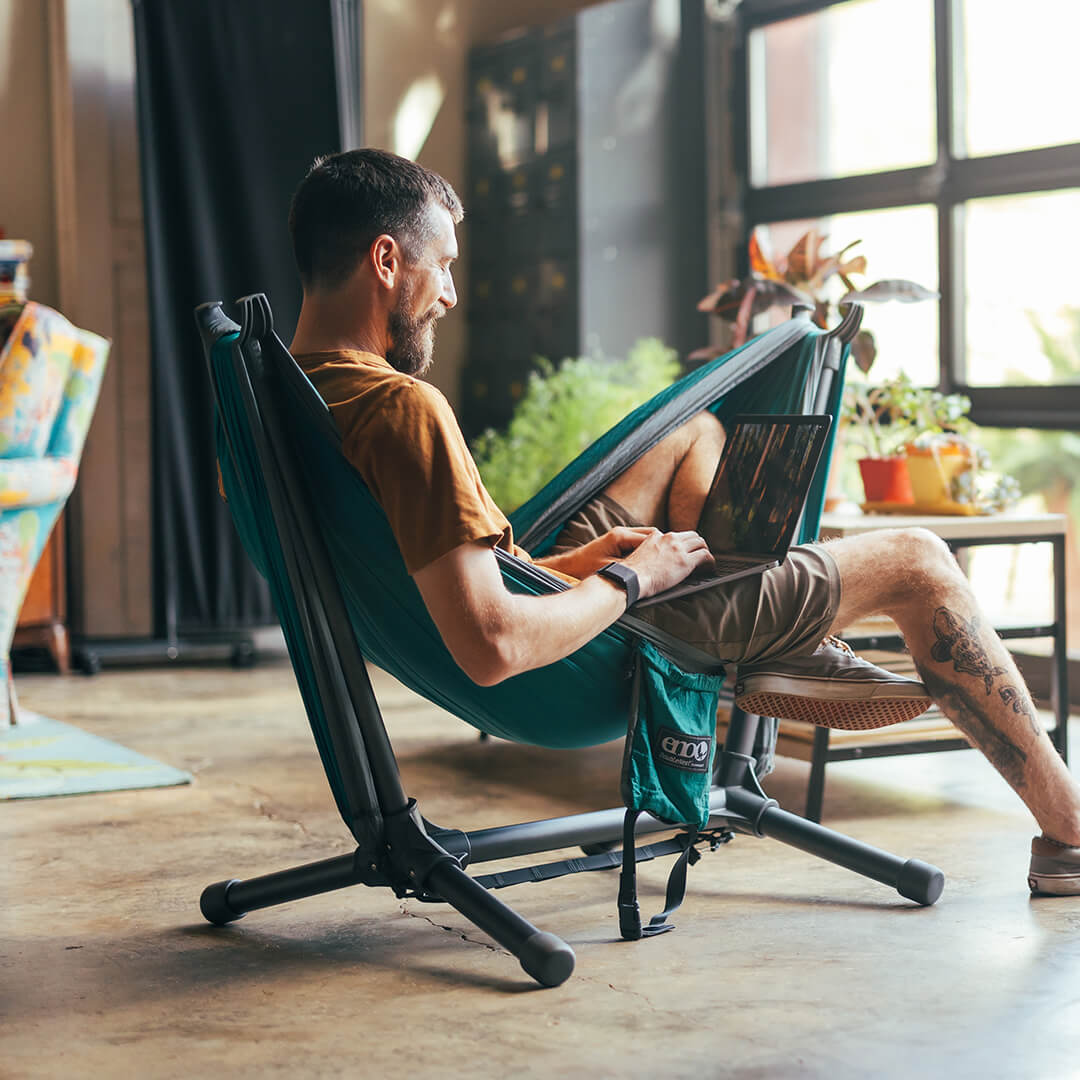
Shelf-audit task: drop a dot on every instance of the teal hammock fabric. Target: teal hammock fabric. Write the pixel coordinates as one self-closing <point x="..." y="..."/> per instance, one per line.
<point x="581" y="700"/>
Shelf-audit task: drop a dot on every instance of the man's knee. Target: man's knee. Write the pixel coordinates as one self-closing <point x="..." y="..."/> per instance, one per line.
<point x="926" y="564"/>
<point x="704" y="426"/>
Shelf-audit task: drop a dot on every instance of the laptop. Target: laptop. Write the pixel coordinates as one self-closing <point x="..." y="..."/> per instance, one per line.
<point x="756" y="498"/>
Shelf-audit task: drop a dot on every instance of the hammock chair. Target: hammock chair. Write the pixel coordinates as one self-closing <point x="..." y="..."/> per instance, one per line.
<point x="344" y="597"/>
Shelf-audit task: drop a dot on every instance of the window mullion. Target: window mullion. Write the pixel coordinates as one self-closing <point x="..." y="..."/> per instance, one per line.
<point x="847" y="194"/>
<point x="947" y="63"/>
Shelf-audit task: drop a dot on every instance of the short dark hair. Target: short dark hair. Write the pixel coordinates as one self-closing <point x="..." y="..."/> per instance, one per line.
<point x="348" y="199"/>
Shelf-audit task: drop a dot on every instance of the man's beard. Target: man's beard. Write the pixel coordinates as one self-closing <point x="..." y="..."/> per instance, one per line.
<point x="412" y="339"/>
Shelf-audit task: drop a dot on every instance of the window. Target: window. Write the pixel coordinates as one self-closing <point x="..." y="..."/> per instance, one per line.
<point x="1017" y="93"/>
<point x="944" y="134"/>
<point x="830" y="95"/>
<point x="1014" y="584"/>
<point x="1032" y="338"/>
<point x="906" y="335"/>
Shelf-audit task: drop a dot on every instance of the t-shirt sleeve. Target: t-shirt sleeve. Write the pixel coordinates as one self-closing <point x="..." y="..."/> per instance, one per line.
<point x="410" y="451"/>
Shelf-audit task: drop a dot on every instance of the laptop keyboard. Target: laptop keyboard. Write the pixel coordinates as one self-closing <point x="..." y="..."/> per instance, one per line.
<point x="721" y="567"/>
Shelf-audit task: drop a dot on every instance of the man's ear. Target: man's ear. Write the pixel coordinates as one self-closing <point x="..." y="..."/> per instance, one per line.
<point x="385" y="256"/>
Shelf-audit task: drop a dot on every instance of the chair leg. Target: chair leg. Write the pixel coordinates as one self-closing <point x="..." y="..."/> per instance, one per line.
<point x="421" y="864"/>
<point x="815" y="789"/>
<point x="547" y="958"/>
<point x="913" y="879"/>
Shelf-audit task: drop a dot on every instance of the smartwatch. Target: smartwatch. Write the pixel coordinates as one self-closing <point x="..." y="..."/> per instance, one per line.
<point x="625" y="578"/>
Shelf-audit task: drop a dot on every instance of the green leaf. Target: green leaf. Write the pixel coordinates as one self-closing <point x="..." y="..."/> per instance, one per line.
<point x="563" y="410"/>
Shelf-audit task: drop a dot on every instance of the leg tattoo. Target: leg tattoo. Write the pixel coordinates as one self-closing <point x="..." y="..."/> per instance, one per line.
<point x="966" y="713"/>
<point x="958" y="641"/>
<point x="1020" y="704"/>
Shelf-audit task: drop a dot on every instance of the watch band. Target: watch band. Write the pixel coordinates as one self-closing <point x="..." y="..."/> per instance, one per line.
<point x="625" y="578"/>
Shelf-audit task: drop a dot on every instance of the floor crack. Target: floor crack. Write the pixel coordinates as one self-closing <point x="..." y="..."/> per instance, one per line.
<point x="264" y="808"/>
<point x="404" y="909"/>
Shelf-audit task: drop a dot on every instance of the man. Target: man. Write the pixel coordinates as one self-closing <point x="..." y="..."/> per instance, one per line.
<point x="374" y="241"/>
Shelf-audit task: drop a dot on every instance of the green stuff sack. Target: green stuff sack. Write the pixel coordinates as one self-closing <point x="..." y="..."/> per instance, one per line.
<point x="667" y="771"/>
<point x="671" y="740"/>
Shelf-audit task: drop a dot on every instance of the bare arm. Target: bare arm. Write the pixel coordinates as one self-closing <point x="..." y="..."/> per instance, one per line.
<point x="617" y="543"/>
<point x="494" y="634"/>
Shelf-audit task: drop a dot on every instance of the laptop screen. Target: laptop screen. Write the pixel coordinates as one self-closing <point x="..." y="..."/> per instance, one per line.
<point x="761" y="483"/>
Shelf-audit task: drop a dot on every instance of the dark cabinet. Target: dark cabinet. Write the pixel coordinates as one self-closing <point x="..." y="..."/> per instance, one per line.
<point x="585" y="196"/>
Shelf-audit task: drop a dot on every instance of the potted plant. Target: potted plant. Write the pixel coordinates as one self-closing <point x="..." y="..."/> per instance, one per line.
<point x="880" y="421"/>
<point x="940" y="451"/>
<point x="806" y="275"/>
<point x="920" y="453"/>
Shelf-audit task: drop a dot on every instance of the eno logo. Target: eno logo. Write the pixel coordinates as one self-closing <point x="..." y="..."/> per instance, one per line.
<point x="681" y="751"/>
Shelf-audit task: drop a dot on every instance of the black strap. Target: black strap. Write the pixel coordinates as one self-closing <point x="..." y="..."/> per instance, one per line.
<point x="629" y="912"/>
<point x="605" y="860"/>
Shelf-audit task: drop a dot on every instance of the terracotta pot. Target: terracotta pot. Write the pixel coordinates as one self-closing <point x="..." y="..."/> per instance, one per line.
<point x="886" y="480"/>
<point x="932" y="469"/>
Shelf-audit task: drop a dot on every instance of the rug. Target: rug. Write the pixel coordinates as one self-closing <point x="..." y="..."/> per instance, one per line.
<point x="40" y="757"/>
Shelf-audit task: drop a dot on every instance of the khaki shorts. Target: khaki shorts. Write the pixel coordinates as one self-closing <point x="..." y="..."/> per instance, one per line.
<point x="782" y="612"/>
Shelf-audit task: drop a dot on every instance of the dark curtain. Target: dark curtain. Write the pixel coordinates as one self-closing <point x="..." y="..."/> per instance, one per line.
<point x="235" y="100"/>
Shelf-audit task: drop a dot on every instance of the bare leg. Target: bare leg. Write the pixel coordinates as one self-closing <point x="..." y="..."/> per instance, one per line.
<point x="667" y="486"/>
<point x="910" y="575"/>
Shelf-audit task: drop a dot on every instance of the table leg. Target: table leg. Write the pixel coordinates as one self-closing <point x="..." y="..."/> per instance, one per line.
<point x="815" y="791"/>
<point x="1059" y="672"/>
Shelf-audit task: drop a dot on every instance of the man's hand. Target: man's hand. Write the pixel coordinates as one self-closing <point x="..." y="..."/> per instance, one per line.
<point x="616" y="543"/>
<point x="662" y="560"/>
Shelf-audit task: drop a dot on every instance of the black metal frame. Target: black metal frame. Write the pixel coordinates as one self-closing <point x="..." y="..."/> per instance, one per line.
<point x="822" y="753"/>
<point x="948" y="183"/>
<point x="396" y="847"/>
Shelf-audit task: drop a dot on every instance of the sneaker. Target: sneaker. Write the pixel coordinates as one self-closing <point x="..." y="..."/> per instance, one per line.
<point x="831" y="688"/>
<point x="1055" y="870"/>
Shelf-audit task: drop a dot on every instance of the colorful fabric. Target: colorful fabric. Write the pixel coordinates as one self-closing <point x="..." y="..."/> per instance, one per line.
<point x="50" y="375"/>
<point x="41" y="757"/>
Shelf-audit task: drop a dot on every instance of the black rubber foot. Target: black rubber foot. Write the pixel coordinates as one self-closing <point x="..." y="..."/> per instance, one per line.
<point x="921" y="882"/>
<point x="548" y="959"/>
<point x="89" y="663"/>
<point x="215" y="906"/>
<point x="243" y="655"/>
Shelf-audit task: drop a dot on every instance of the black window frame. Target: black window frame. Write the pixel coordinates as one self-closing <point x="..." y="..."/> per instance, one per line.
<point x="946" y="183"/>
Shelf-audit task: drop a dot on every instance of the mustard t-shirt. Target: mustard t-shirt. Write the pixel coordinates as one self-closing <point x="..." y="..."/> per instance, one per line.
<point x="403" y="438"/>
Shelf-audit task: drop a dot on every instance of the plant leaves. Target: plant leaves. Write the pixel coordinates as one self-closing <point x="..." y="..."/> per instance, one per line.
<point x="772" y="293"/>
<point x="907" y="292"/>
<point x="853" y="266"/>
<point x="719" y="297"/>
<point x="728" y="300"/>
<point x="759" y="262"/>
<point x="864" y="351"/>
<point x="834" y="265"/>
<point x="804" y="259"/>
<point x="742" y="319"/>
<point x="562" y="410"/>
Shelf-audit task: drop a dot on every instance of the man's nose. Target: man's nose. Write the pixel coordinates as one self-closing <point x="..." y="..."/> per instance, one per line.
<point x="449" y="294"/>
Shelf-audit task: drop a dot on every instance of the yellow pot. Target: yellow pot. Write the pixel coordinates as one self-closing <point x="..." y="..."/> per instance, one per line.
<point x="932" y="469"/>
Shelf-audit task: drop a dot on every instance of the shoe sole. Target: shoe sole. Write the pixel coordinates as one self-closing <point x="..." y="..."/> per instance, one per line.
<point x="860" y="714"/>
<point x="1054" y="884"/>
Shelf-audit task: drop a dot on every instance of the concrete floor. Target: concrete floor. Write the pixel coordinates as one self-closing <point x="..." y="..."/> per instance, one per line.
<point x="781" y="966"/>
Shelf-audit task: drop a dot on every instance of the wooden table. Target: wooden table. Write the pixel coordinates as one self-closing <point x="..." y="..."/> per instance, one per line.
<point x="933" y="732"/>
